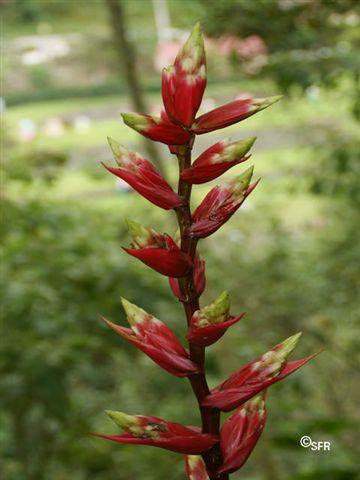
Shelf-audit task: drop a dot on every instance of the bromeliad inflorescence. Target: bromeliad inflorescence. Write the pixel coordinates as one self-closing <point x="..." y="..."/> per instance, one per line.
<point x="212" y="452"/>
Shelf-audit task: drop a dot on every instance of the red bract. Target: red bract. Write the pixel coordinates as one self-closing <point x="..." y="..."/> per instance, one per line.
<point x="158" y="251"/>
<point x="216" y="160"/>
<point x="195" y="468"/>
<point x="183" y="83"/>
<point x="156" y="340"/>
<point x="210" y="323"/>
<point x="159" y="129"/>
<point x="240" y="434"/>
<point x="220" y="204"/>
<point x="156" y="432"/>
<point x="143" y="177"/>
<point x="256" y="376"/>
<point x="199" y="280"/>
<point x="231" y="113"/>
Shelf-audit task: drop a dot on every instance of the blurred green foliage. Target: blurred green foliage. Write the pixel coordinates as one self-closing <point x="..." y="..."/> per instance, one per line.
<point x="289" y="259"/>
<point x="34" y="165"/>
<point x="310" y="42"/>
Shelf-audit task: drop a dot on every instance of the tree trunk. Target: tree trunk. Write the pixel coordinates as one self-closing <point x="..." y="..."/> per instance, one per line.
<point x="127" y="60"/>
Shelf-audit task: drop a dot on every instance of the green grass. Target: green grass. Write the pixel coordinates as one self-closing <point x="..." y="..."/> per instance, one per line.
<point x="289" y="114"/>
<point x="276" y="168"/>
<point x="39" y="111"/>
<point x="278" y="160"/>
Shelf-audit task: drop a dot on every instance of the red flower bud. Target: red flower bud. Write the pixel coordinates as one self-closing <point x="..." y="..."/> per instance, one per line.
<point x="143" y="177"/>
<point x="199" y="280"/>
<point x="159" y="129"/>
<point x="156" y="340"/>
<point x="210" y="323"/>
<point x="156" y="432"/>
<point x="256" y="376"/>
<point x="220" y="204"/>
<point x="158" y="251"/>
<point x="216" y="160"/>
<point x="231" y="113"/>
<point x="184" y="83"/>
<point x="195" y="468"/>
<point x="240" y="434"/>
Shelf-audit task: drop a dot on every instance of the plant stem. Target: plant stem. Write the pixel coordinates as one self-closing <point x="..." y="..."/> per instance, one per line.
<point x="210" y="417"/>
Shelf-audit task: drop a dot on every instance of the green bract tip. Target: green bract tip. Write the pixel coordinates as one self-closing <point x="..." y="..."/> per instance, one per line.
<point x="134" y="314"/>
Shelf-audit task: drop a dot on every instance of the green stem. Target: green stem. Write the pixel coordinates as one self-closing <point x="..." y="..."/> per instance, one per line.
<point x="210" y="417"/>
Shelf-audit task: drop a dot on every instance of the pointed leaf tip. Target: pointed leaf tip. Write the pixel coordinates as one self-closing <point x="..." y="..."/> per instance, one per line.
<point x="217" y="311"/>
<point x="192" y="54"/>
<point x="136" y="229"/>
<point x="134" y="313"/>
<point x="290" y="343"/>
<point x="241" y="182"/>
<point x="277" y="357"/>
<point x="131" y="224"/>
<point x="129" y="423"/>
<point x="248" y="172"/>
<point x="240" y="148"/>
<point x="135" y="121"/>
<point x="275" y="98"/>
<point x="224" y="297"/>
<point x="196" y="34"/>
<point x="121" y="419"/>
<point x="263" y="103"/>
<point x="117" y="149"/>
<point x="250" y="141"/>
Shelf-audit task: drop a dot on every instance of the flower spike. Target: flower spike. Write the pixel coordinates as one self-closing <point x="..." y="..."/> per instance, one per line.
<point x="220" y="204"/>
<point x="183" y="83"/>
<point x="210" y="323"/>
<point x="240" y="434"/>
<point x="159" y="129"/>
<point x="256" y="376"/>
<point x="156" y="432"/>
<point x="216" y="455"/>
<point x="143" y="177"/>
<point x="155" y="339"/>
<point x="195" y="468"/>
<point x="159" y="252"/>
<point x="231" y="113"/>
<point x="216" y="160"/>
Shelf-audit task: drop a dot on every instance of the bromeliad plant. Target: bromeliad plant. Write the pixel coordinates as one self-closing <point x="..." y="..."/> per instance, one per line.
<point x="211" y="452"/>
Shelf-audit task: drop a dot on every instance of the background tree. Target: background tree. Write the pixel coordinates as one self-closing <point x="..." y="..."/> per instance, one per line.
<point x="127" y="57"/>
<point x="309" y="42"/>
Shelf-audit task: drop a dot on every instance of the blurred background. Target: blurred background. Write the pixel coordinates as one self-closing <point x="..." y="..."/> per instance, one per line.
<point x="288" y="258"/>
